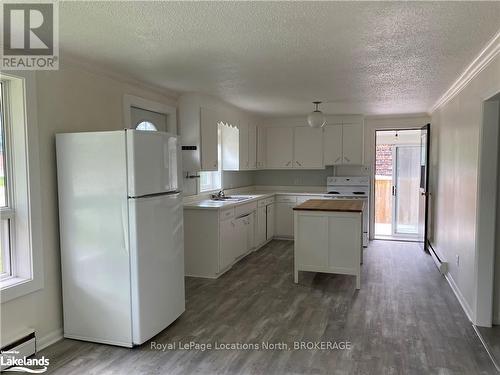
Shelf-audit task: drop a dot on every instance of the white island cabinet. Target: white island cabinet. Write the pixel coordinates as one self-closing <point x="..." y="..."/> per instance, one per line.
<point x="328" y="237"/>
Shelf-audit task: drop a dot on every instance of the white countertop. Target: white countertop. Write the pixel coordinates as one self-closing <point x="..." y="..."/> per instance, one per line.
<point x="208" y="204"/>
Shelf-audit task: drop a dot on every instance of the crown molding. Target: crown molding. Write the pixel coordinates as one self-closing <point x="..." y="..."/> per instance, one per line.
<point x="397" y="116"/>
<point x="92" y="67"/>
<point x="478" y="64"/>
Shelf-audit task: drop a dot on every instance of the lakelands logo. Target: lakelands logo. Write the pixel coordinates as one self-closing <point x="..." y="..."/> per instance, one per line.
<point x="10" y="361"/>
<point x="30" y="36"/>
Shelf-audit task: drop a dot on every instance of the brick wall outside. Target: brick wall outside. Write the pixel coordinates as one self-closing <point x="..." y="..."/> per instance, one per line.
<point x="383" y="165"/>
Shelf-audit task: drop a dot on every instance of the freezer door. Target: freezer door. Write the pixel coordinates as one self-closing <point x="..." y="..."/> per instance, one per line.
<point x="157" y="263"/>
<point x="151" y="162"/>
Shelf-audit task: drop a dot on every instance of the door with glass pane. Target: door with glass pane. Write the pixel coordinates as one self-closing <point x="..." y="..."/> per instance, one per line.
<point x="405" y="191"/>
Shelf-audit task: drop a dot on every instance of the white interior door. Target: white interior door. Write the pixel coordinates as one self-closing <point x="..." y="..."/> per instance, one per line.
<point x="157" y="263"/>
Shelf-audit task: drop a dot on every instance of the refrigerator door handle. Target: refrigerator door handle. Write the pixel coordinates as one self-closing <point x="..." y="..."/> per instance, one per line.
<point x="125" y="231"/>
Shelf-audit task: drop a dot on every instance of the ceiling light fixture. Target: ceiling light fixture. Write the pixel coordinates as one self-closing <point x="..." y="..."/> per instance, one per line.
<point x="316" y="119"/>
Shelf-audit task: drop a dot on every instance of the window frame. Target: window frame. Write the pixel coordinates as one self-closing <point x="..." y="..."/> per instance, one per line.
<point x="8" y="212"/>
<point x="212" y="187"/>
<point x="26" y="249"/>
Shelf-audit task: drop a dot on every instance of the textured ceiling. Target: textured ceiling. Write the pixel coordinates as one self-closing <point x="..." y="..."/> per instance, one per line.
<point x="276" y="57"/>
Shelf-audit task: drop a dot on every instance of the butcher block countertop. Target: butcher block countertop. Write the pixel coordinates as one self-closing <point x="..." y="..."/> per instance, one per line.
<point x="344" y="205"/>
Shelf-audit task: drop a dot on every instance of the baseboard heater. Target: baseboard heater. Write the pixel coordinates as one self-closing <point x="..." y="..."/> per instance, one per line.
<point x="440" y="264"/>
<point x="18" y="348"/>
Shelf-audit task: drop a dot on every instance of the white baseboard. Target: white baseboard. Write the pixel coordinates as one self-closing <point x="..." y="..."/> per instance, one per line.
<point x="460" y="297"/>
<point x="486" y="346"/>
<point x="50" y="338"/>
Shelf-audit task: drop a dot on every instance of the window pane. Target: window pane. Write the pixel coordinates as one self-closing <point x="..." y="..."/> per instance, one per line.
<point x="5" y="247"/>
<point x="147" y="126"/>
<point x="213" y="180"/>
<point x="3" y="169"/>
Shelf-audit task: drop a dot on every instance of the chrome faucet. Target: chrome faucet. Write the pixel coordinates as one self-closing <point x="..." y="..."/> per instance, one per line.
<point x="219" y="195"/>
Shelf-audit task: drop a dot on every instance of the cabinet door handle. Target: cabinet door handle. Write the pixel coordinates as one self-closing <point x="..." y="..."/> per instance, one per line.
<point x="215" y="164"/>
<point x="298" y="163"/>
<point x="336" y="160"/>
<point x="287" y="164"/>
<point x="347" y="159"/>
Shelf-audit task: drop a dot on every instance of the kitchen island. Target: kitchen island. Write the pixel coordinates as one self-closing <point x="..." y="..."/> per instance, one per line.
<point x="328" y="237"/>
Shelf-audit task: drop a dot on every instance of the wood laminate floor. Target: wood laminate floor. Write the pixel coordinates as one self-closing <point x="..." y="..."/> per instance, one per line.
<point x="404" y="320"/>
<point x="491" y="340"/>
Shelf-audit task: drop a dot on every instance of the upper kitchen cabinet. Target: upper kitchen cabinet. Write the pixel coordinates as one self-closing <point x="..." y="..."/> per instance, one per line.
<point x="352" y="143"/>
<point x="279" y="147"/>
<point x="332" y="149"/>
<point x="198" y="134"/>
<point x="208" y="140"/>
<point x="261" y="147"/>
<point x="252" y="146"/>
<point x="199" y="118"/>
<point x="308" y="150"/>
<point x="343" y="144"/>
<point x="239" y="147"/>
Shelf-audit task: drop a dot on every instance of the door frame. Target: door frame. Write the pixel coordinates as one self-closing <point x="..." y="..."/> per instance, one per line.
<point x="169" y="111"/>
<point x="373" y="172"/>
<point x="379" y="123"/>
<point x="486" y="214"/>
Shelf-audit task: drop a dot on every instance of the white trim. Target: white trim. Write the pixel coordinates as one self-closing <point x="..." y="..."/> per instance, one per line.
<point x="49" y="339"/>
<point x="32" y="273"/>
<point x="149" y="105"/>
<point x="463" y="302"/>
<point x="478" y="64"/>
<point x="396" y="116"/>
<point x="486" y="204"/>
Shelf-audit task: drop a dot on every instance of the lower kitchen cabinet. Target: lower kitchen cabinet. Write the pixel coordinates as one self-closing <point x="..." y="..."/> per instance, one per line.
<point x="260" y="233"/>
<point x="270" y="221"/>
<point x="228" y="241"/>
<point x="244" y="234"/>
<point x="284" y="219"/>
<point x="215" y="239"/>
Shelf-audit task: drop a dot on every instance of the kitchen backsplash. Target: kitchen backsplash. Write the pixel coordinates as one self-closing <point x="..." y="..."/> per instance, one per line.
<point x="313" y="177"/>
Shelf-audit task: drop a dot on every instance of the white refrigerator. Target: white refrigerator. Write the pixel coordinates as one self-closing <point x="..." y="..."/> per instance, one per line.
<point x="121" y="232"/>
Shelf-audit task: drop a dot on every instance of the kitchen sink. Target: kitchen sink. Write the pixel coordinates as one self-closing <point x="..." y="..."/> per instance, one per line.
<point x="230" y="198"/>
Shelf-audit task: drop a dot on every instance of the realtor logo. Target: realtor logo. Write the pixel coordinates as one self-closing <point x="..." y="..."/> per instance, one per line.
<point x="30" y="36"/>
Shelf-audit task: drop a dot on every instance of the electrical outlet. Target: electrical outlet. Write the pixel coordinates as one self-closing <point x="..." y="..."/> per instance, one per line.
<point x="457" y="260"/>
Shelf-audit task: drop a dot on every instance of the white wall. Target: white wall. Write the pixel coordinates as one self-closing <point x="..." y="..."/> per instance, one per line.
<point x="455" y="137"/>
<point x="69" y="100"/>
